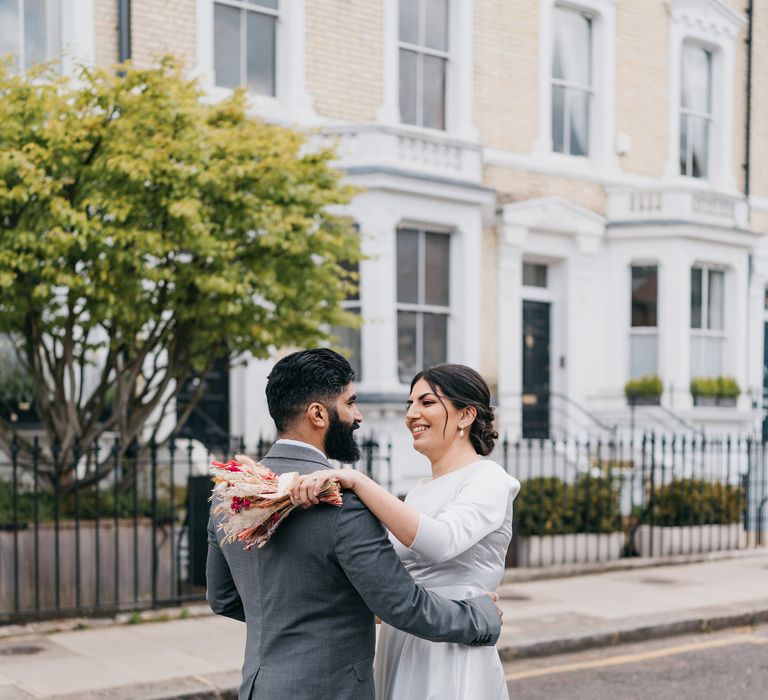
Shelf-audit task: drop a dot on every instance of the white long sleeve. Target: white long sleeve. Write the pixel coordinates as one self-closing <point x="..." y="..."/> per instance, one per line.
<point x="478" y="509"/>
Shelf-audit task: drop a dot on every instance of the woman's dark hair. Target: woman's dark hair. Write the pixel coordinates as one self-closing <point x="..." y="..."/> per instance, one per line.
<point x="302" y="378"/>
<point x="464" y="387"/>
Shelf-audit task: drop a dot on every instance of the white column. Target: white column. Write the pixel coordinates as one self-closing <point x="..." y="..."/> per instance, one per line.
<point x="389" y="111"/>
<point x="674" y="309"/>
<point x="78" y="41"/>
<point x="510" y="362"/>
<point x="378" y="291"/>
<point x="461" y="65"/>
<point x="291" y="62"/>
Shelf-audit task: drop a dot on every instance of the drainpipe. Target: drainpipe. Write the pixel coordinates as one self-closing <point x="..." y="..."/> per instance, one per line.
<point x="748" y="111"/>
<point x="124" y="29"/>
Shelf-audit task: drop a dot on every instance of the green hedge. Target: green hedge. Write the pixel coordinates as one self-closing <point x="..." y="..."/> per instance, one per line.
<point x="695" y="502"/>
<point x="87" y="505"/>
<point x="550" y="506"/>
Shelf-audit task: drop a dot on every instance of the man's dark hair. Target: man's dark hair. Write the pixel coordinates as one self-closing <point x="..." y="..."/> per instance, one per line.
<point x="302" y="378"/>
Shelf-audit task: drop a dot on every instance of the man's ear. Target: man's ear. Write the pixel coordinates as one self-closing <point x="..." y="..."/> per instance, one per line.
<point x="317" y="414"/>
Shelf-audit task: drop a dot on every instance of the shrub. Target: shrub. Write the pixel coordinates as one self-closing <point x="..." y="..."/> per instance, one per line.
<point x="650" y="385"/>
<point x="696" y="502"/>
<point x="550" y="506"/>
<point x="721" y="387"/>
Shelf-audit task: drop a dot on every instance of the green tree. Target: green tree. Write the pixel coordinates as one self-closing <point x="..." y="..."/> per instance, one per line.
<point x="144" y="233"/>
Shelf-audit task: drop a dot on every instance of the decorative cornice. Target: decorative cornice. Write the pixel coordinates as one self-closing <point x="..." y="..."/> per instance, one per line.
<point x="711" y="17"/>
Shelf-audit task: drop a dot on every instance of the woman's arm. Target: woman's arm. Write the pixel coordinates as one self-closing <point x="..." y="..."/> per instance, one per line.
<point x="399" y="518"/>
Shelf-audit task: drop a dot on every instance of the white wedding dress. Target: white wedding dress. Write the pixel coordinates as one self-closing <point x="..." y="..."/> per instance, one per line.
<point x="465" y="526"/>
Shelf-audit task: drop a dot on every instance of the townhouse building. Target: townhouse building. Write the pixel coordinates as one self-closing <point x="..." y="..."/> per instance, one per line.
<point x="564" y="194"/>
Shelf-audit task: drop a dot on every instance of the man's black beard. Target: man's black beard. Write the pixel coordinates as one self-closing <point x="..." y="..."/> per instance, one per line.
<point x="339" y="440"/>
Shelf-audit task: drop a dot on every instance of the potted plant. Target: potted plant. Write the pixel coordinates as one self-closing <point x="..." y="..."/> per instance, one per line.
<point x="714" y="391"/>
<point x="645" y="391"/>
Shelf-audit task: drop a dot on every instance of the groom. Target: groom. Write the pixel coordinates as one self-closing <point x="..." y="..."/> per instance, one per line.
<point x="309" y="596"/>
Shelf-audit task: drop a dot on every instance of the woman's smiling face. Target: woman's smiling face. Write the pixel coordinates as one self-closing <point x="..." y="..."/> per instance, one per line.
<point x="433" y="423"/>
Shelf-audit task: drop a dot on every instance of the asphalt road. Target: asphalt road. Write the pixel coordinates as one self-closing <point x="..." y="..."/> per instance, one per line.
<point x="729" y="665"/>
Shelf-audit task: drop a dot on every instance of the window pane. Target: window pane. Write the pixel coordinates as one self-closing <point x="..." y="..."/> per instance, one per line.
<point x="572" y="54"/>
<point x="684" y="145"/>
<point x="558" y="119"/>
<point x="354" y="269"/>
<point x="578" y="106"/>
<point x="434" y="92"/>
<point x="696" y="80"/>
<point x="409" y="21"/>
<point x="534" y="275"/>
<point x="696" y="299"/>
<point x="435" y="339"/>
<point x="226" y="45"/>
<point x="272" y="4"/>
<point x="350" y="340"/>
<point x="408" y="87"/>
<point x="436" y="28"/>
<point x="643" y="355"/>
<point x="644" y="296"/>
<point x="41" y="31"/>
<point x="261" y="53"/>
<point x="408" y="266"/>
<point x="437" y="268"/>
<point x="706" y="356"/>
<point x="9" y="28"/>
<point x="716" y="298"/>
<point x="407" y="364"/>
<point x="699" y="135"/>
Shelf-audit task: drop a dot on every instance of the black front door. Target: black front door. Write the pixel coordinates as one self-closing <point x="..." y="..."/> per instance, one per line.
<point x="535" y="369"/>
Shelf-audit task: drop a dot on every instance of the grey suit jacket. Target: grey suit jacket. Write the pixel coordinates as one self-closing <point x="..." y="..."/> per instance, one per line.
<point x="308" y="598"/>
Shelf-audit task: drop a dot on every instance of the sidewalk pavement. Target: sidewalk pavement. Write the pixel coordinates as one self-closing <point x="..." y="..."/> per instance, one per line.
<point x="198" y="655"/>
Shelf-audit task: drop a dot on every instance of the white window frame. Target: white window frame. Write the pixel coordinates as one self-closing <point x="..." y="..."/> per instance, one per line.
<point x="291" y="102"/>
<point x="77" y="42"/>
<point x="706" y="331"/>
<point x="714" y="26"/>
<point x="458" y="78"/>
<point x="708" y="117"/>
<point x="421" y="50"/>
<point x="424" y="308"/>
<point x="602" y="13"/>
<point x="257" y="10"/>
<point x="587" y="90"/>
<point x="639" y="331"/>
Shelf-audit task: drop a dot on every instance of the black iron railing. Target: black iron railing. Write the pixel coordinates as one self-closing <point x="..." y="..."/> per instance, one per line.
<point x="115" y="529"/>
<point x="120" y="530"/>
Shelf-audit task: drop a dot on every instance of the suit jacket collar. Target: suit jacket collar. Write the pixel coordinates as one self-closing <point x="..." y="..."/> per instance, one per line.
<point x="298" y="453"/>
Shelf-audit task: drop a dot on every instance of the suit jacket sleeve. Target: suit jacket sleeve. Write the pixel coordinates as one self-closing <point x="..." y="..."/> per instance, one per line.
<point x="221" y="592"/>
<point x="374" y="569"/>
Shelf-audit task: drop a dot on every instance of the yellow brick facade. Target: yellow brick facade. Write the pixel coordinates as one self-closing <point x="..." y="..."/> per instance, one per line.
<point x="159" y="27"/>
<point x="105" y="27"/>
<point x="506" y="48"/>
<point x="345" y="49"/>
<point x="516" y="185"/>
<point x="642" y="84"/>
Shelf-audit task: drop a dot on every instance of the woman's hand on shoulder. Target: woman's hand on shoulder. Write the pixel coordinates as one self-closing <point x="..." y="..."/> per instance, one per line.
<point x="307" y="486"/>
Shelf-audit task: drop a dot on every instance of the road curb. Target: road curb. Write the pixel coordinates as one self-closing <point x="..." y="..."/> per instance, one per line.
<point x="637" y="632"/>
<point x="524" y="575"/>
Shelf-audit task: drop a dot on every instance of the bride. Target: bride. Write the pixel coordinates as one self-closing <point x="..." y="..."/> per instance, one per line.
<point x="451" y="533"/>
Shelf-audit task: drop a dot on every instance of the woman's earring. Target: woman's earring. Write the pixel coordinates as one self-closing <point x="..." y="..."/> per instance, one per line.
<point x="461" y="432"/>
